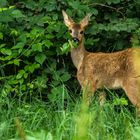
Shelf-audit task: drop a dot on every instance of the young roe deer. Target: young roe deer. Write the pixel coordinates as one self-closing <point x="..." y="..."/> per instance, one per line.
<point x="112" y="70"/>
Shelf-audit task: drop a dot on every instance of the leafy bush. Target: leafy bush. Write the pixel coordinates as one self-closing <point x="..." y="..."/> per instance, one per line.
<point x="32" y="37"/>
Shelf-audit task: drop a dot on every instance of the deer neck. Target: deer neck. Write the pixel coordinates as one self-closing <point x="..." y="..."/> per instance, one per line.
<point x="78" y="54"/>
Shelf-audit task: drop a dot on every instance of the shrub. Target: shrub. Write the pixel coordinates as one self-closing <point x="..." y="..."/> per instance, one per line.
<point x="32" y="37"/>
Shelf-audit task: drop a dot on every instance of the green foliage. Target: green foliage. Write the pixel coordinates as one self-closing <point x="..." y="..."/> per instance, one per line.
<point x="28" y="47"/>
<point x="68" y="46"/>
<point x="34" y="62"/>
<point x="33" y="39"/>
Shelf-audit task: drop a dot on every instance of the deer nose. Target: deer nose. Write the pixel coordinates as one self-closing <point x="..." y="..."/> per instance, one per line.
<point x="75" y="39"/>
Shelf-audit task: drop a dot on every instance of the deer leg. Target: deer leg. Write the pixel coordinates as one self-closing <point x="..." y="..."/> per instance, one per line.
<point x="88" y="91"/>
<point x="102" y="98"/>
<point x="132" y="90"/>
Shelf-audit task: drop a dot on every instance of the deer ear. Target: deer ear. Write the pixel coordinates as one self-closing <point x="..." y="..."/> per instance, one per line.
<point x="84" y="22"/>
<point x="67" y="20"/>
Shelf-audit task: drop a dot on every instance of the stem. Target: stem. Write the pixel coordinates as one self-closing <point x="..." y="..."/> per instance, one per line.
<point x="113" y="8"/>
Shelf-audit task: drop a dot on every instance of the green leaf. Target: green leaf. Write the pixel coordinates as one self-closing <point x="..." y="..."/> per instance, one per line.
<point x="16" y="62"/>
<point x="22" y="38"/>
<point x="20" y="74"/>
<point x="2" y="45"/>
<point x="5" y="16"/>
<point x="27" y="53"/>
<point x="120" y="101"/>
<point x="19" y="45"/>
<point x="17" y="14"/>
<point x="48" y="43"/>
<point x="6" y="51"/>
<point x="41" y="81"/>
<point x="37" y="47"/>
<point x="65" y="48"/>
<point x="14" y="32"/>
<point x="40" y="58"/>
<point x="74" y="4"/>
<point x="94" y="11"/>
<point x="1" y="35"/>
<point x="31" y="67"/>
<point x="65" y="77"/>
<point x="73" y="44"/>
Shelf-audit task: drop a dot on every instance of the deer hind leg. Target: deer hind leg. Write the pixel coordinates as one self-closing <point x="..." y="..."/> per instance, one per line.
<point x="102" y="98"/>
<point x="132" y="90"/>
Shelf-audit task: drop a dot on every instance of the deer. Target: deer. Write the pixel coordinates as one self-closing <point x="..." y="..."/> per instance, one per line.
<point x="112" y="70"/>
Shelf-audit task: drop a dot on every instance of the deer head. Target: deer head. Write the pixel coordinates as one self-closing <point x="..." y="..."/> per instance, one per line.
<point x="76" y="29"/>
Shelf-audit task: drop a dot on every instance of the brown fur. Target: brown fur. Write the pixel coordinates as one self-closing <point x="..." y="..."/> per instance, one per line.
<point x="112" y="70"/>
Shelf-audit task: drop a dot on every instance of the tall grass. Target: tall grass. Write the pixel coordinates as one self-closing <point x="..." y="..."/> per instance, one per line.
<point x="64" y="119"/>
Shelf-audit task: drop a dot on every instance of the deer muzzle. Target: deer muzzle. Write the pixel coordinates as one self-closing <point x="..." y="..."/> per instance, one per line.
<point x="75" y="39"/>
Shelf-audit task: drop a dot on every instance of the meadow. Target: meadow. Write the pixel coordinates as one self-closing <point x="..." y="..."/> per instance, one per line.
<point x="68" y="119"/>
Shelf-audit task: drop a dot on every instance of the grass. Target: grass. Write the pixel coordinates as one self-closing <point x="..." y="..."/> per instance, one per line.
<point x="64" y="119"/>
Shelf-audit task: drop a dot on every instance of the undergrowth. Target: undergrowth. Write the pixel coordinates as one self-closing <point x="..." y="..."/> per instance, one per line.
<point x="65" y="119"/>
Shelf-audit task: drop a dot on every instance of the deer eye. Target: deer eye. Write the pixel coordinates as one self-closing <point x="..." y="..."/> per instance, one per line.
<point x="70" y="31"/>
<point x="81" y="32"/>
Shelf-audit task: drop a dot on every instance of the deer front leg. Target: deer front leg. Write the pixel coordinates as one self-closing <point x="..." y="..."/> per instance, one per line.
<point x="87" y="85"/>
<point x="88" y="89"/>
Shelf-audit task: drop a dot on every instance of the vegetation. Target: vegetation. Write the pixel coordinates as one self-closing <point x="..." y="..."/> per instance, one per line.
<point x="40" y="97"/>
